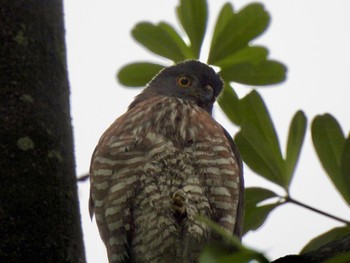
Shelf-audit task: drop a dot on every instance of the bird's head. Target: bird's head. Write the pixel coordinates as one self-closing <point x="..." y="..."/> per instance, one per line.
<point x="190" y="80"/>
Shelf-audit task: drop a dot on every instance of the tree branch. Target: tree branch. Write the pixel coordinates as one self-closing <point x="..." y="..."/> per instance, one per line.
<point x="83" y="177"/>
<point x="289" y="199"/>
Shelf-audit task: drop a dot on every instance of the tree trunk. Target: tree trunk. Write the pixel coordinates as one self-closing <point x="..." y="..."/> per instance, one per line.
<point x="39" y="215"/>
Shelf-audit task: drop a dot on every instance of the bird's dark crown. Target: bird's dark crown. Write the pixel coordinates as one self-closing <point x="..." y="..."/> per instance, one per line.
<point x="189" y="80"/>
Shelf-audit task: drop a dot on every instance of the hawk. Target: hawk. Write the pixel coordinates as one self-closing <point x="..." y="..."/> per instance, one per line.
<point x="160" y="165"/>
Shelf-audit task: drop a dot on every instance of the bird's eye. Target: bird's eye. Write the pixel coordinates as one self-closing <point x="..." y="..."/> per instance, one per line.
<point x="184" y="81"/>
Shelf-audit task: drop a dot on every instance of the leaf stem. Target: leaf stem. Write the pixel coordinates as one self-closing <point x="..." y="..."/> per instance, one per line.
<point x="83" y="177"/>
<point x="289" y="199"/>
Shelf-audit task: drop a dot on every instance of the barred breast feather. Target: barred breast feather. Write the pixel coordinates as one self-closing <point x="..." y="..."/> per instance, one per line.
<point x="153" y="171"/>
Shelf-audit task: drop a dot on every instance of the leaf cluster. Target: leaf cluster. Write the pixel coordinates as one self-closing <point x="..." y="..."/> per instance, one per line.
<point x="231" y="48"/>
<point x="240" y="61"/>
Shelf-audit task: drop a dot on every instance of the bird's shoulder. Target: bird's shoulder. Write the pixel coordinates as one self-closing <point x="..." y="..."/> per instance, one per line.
<point x="162" y="116"/>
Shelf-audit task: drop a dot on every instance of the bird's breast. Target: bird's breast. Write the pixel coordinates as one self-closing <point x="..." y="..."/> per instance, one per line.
<point x="178" y="119"/>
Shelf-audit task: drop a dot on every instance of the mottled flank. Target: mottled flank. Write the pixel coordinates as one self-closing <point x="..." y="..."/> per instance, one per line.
<point x="149" y="182"/>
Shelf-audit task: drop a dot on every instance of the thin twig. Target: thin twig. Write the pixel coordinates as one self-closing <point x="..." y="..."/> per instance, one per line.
<point x="83" y="178"/>
<point x="293" y="201"/>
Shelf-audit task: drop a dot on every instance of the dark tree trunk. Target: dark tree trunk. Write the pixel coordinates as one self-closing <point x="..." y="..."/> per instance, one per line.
<point x="39" y="215"/>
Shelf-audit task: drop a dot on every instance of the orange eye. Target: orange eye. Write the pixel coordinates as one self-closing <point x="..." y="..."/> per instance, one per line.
<point x="184" y="81"/>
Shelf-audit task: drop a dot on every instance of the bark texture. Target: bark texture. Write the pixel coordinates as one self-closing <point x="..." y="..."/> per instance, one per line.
<point x="39" y="215"/>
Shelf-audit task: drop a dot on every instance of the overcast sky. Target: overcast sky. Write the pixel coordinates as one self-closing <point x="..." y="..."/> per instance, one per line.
<point x="311" y="37"/>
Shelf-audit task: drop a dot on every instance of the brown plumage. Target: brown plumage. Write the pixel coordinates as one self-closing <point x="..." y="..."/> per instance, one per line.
<point x="162" y="163"/>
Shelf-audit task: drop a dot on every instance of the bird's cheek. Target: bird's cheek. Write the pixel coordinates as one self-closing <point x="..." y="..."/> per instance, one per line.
<point x="208" y="94"/>
<point x="193" y="94"/>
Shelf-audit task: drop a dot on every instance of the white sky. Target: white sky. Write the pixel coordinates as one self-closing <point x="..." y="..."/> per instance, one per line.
<point x="311" y="37"/>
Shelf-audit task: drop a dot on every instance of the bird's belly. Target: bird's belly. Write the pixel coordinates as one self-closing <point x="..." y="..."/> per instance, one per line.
<point x="166" y="184"/>
<point x="171" y="195"/>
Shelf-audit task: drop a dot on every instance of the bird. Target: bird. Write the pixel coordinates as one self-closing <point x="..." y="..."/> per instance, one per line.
<point x="161" y="165"/>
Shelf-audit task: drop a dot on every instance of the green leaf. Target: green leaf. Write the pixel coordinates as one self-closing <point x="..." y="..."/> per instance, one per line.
<point x="231" y="239"/>
<point x="212" y="253"/>
<point x="220" y="253"/>
<point x="341" y="258"/>
<point x="333" y="151"/>
<point x="222" y="22"/>
<point x="296" y="137"/>
<point x="256" y="214"/>
<point x="264" y="72"/>
<point x="138" y="74"/>
<point x="257" y="154"/>
<point x="345" y="171"/>
<point x="258" y="142"/>
<point x="254" y="112"/>
<point x="162" y="39"/>
<point x="193" y="18"/>
<point x="249" y="54"/>
<point x="257" y="217"/>
<point x="325" y="238"/>
<point x="229" y="50"/>
<point x="328" y="139"/>
<point x="229" y="103"/>
<point x="236" y="31"/>
<point x="255" y="195"/>
<point x="244" y="257"/>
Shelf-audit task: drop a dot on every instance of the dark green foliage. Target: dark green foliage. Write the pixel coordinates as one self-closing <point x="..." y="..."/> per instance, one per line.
<point x="234" y="31"/>
<point x="257" y="140"/>
<point x="222" y="252"/>
<point x="342" y="258"/>
<point x="136" y="74"/>
<point x="229" y="103"/>
<point x="193" y="17"/>
<point x="231" y="47"/>
<point x="333" y="150"/>
<point x="256" y="214"/>
<point x="323" y="239"/>
<point x="257" y="73"/>
<point x="295" y="141"/>
<point x="161" y="39"/>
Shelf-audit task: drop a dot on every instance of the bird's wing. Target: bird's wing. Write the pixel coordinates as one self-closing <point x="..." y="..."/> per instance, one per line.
<point x="91" y="206"/>
<point x="108" y="194"/>
<point x="91" y="200"/>
<point x="240" y="210"/>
